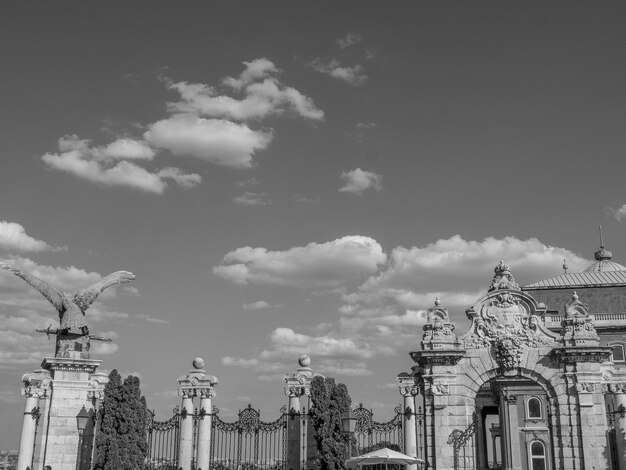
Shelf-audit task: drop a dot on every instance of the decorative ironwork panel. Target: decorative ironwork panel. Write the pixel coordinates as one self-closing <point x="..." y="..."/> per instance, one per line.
<point x="248" y="443"/>
<point x="163" y="437"/>
<point x="371" y="435"/>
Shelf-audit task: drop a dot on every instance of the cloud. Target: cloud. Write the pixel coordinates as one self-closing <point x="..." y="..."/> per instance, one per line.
<point x="252" y="199"/>
<point x="100" y="164"/>
<point x="327" y="264"/>
<point x="451" y="270"/>
<point x="348" y="40"/>
<point x="353" y="75"/>
<point x="13" y="238"/>
<point x="358" y="181"/>
<point x="361" y="131"/>
<point x="217" y="141"/>
<point x="619" y="214"/>
<point x="259" y="305"/>
<point x="263" y="95"/>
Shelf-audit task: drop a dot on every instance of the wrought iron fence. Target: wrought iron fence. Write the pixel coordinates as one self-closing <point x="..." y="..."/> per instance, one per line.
<point x="370" y="434"/>
<point x="163" y="437"/>
<point x="248" y="443"/>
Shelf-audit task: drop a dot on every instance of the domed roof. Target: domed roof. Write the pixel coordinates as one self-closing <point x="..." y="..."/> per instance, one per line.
<point x="603" y="262"/>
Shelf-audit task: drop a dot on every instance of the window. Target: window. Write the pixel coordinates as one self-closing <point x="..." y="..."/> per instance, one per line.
<point x="537" y="456"/>
<point x="534" y="408"/>
<point x="618" y="353"/>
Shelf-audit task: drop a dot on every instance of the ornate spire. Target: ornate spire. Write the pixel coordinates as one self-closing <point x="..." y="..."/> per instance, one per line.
<point x="602" y="254"/>
<point x="503" y="279"/>
<point x="438" y="331"/>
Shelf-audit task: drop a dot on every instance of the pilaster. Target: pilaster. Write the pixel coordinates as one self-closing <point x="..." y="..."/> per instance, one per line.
<point x="36" y="386"/>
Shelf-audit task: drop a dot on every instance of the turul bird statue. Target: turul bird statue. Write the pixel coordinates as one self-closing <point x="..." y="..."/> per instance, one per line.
<point x="71" y="308"/>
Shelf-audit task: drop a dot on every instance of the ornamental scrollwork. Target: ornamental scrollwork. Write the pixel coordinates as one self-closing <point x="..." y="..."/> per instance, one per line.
<point x="585" y="387"/>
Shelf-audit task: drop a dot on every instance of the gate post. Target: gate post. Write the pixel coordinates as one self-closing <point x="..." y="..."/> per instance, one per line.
<point x="196" y="383"/>
<point x="409" y="389"/>
<point x="298" y="384"/>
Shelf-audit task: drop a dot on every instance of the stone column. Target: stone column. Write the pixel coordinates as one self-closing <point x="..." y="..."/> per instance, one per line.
<point x="205" y="420"/>
<point x="196" y="383"/>
<point x="36" y="385"/>
<point x="298" y="384"/>
<point x="619" y="408"/>
<point x="510" y="432"/>
<point x="409" y="390"/>
<point x="72" y="388"/>
<point x="481" y="443"/>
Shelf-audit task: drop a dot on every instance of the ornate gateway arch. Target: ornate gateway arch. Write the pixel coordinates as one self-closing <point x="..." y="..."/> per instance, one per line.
<point x="514" y="395"/>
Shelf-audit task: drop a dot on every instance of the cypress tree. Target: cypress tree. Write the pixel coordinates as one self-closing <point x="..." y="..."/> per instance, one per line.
<point x="121" y="439"/>
<point x="329" y="402"/>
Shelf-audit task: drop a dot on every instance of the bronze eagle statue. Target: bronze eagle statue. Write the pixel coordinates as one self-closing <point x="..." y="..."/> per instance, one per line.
<point x="71" y="308"/>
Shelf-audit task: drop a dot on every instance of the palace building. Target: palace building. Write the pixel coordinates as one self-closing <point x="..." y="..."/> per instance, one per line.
<point x="537" y="382"/>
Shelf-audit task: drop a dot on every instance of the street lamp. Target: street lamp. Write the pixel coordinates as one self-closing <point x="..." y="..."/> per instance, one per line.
<point x="348" y="426"/>
<point x="82" y="419"/>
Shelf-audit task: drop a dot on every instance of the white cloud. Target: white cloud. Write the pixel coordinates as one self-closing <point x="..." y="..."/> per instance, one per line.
<point x="100" y="165"/>
<point x="13" y="237"/>
<point x="185" y="180"/>
<point x="252" y="199"/>
<point x="451" y="270"/>
<point x="315" y="265"/>
<point x="358" y="181"/>
<point x="354" y="75"/>
<point x="264" y="95"/>
<point x="259" y="305"/>
<point x="619" y="214"/>
<point x="217" y="141"/>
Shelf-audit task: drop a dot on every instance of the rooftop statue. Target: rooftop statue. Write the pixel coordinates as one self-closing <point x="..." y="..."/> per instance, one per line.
<point x="71" y="308"/>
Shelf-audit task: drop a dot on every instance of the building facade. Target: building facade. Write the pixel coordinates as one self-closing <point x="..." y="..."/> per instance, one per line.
<point x="538" y="381"/>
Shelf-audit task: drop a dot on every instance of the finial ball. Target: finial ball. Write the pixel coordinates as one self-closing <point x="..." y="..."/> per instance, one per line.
<point x="198" y="363"/>
<point x="304" y="361"/>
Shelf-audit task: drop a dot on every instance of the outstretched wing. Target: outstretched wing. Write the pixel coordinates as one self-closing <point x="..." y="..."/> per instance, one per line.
<point x="54" y="295"/>
<point x="86" y="297"/>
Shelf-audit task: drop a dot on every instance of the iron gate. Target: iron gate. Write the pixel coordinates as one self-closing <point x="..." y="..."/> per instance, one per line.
<point x="162" y="439"/>
<point x="248" y="443"/>
<point x="370" y="434"/>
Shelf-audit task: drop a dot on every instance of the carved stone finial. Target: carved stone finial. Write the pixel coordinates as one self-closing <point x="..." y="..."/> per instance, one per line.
<point x="438" y="330"/>
<point x="197" y="383"/>
<point x="503" y="279"/>
<point x="198" y="363"/>
<point x="299" y="383"/>
<point x="578" y="326"/>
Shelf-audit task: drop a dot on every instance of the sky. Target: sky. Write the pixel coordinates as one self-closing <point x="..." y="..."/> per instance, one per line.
<point x="290" y="178"/>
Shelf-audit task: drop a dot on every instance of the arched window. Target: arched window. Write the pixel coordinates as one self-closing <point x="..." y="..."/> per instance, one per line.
<point x="537" y="456"/>
<point x="534" y="408"/>
<point x="618" y="353"/>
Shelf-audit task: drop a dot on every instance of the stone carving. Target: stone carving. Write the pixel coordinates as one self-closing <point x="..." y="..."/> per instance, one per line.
<point x="440" y="389"/>
<point x="508" y="351"/>
<point x="299" y="383"/>
<point x="614" y="387"/>
<point x="585" y="387"/>
<point x="407" y="385"/>
<point x="577" y="326"/>
<point x="506" y="321"/>
<point x="197" y="383"/>
<point x="36" y="384"/>
<point x="438" y="331"/>
<point x="73" y="331"/>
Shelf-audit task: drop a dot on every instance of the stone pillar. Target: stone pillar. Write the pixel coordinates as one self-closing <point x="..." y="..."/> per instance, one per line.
<point x="72" y="395"/>
<point x="298" y="384"/>
<point x="36" y="385"/>
<point x="511" y="456"/>
<point x="205" y="420"/>
<point x="619" y="408"/>
<point x="409" y="390"/>
<point x="481" y="443"/>
<point x="196" y="383"/>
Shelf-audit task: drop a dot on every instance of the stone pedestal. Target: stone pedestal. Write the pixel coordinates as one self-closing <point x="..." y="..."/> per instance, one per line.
<point x="298" y="384"/>
<point x="76" y="389"/>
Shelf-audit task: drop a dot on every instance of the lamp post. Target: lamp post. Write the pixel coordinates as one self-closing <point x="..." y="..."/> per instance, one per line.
<point x="82" y="419"/>
<point x="348" y="425"/>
